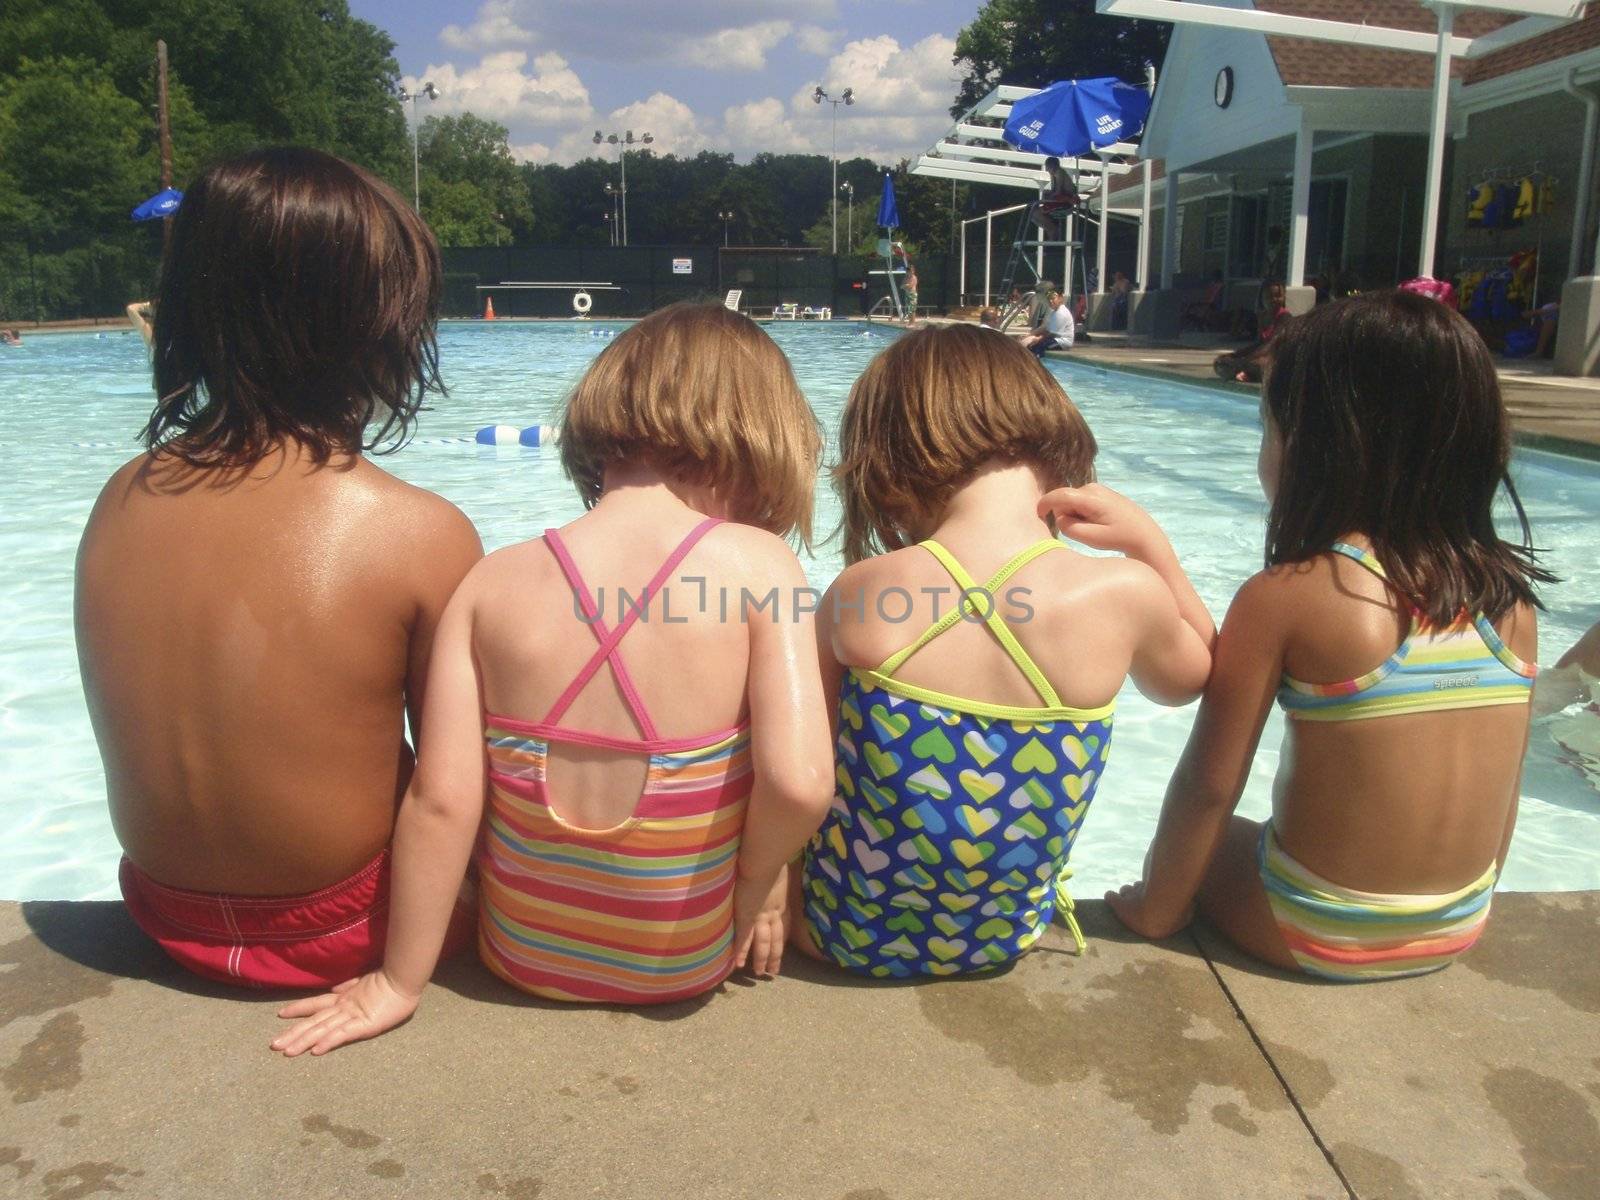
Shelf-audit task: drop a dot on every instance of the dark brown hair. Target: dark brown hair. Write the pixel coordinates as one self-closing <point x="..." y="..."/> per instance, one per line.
<point x="705" y="395"/>
<point x="1393" y="427"/>
<point x="932" y="409"/>
<point x="298" y="299"/>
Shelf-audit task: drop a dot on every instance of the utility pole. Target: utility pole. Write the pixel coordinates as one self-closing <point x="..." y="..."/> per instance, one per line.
<point x="164" y="132"/>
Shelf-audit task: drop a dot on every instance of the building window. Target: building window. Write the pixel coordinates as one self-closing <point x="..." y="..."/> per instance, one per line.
<point x="1217" y="231"/>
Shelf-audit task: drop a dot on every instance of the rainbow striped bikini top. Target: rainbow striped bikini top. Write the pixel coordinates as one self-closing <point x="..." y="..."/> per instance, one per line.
<point x="1464" y="666"/>
<point x="641" y="913"/>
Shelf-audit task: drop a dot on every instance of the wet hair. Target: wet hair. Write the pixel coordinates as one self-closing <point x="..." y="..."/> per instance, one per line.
<point x="704" y="395"/>
<point x="929" y="412"/>
<point x="298" y="300"/>
<point x="1392" y="425"/>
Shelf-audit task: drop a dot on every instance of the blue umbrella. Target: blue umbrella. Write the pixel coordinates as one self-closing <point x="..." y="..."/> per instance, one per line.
<point x="1073" y="116"/>
<point x="162" y="204"/>
<point x="888" y="210"/>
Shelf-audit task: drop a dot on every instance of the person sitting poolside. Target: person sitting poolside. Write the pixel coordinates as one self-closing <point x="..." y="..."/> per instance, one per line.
<point x="1057" y="332"/>
<point x="255" y="599"/>
<point x="1208" y="314"/>
<point x="1121" y="289"/>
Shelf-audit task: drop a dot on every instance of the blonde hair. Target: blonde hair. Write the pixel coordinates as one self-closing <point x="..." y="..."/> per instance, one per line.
<point x="704" y="395"/>
<point x="928" y="412"/>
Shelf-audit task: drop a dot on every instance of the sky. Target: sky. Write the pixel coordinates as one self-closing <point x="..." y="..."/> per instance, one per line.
<point x="725" y="75"/>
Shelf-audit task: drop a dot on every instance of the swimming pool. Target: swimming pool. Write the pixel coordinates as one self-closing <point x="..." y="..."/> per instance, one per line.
<point x="74" y="402"/>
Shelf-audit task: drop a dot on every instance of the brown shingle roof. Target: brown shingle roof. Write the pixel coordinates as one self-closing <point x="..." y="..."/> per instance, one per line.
<point x="1302" y="62"/>
<point x="1571" y="38"/>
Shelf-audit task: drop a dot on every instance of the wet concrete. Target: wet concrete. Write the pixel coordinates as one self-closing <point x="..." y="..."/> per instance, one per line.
<point x="1136" y="1070"/>
<point x="1480" y="1081"/>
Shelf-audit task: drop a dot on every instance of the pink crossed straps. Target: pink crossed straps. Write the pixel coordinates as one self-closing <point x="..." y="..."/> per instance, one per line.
<point x="607" y="652"/>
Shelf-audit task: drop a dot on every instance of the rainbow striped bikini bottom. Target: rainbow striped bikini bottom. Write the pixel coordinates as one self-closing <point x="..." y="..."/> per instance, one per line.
<point x="1337" y="933"/>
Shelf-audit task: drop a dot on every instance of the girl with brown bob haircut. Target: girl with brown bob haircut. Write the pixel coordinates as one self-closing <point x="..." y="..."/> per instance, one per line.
<point x="255" y="599"/>
<point x="634" y="696"/>
<point x="708" y="398"/>
<point x="1396" y="629"/>
<point x="968" y="756"/>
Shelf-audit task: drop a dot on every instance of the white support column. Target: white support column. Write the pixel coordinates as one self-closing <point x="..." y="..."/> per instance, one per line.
<point x="1585" y="187"/>
<point x="1438" y="130"/>
<point x="1070" y="227"/>
<point x="1300" y="204"/>
<point x="1143" y="266"/>
<point x="1169" y="233"/>
<point x="1105" y="225"/>
<point x="961" y="296"/>
<point x="988" y="256"/>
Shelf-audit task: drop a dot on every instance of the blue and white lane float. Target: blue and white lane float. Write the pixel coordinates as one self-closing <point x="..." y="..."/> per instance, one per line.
<point x="510" y="435"/>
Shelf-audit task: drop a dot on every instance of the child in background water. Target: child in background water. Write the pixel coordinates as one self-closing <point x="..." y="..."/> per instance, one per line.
<point x="255" y="599"/>
<point x="1396" y="629"/>
<point x="656" y="751"/>
<point x="973" y="721"/>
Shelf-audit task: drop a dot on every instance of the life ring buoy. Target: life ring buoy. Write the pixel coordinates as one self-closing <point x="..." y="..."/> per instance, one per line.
<point x="581" y="303"/>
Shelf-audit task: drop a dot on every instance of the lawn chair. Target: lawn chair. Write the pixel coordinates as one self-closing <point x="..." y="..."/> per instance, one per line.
<point x="733" y="298"/>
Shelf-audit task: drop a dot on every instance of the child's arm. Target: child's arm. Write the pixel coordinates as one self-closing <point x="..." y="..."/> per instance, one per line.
<point x="1173" y="659"/>
<point x="433" y="839"/>
<point x="1215" y="765"/>
<point x="793" y="761"/>
<point x="453" y="549"/>
<point x="828" y="655"/>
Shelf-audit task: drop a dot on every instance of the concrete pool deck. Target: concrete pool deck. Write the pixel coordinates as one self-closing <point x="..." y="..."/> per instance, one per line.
<point x="1138" y="1070"/>
<point x="1548" y="411"/>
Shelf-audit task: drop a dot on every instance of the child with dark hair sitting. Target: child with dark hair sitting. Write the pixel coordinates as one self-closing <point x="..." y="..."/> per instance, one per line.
<point x="1396" y="628"/>
<point x="255" y="599"/>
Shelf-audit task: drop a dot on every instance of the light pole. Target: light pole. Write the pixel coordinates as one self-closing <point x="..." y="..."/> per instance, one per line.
<point x="849" y="97"/>
<point x="725" y="217"/>
<point x="616" y="195"/>
<point x="622" y="142"/>
<point x="849" y="190"/>
<point x="432" y="93"/>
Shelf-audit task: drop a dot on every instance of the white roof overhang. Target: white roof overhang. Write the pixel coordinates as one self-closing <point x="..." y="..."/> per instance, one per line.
<point x="974" y="149"/>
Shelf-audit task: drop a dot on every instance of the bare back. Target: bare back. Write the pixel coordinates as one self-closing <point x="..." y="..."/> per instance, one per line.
<point x="1073" y="613"/>
<point x="1412" y="803"/>
<point x="249" y="642"/>
<point x="688" y="654"/>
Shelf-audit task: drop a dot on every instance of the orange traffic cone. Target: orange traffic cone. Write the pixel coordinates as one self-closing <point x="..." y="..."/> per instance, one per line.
<point x="488" y="309"/>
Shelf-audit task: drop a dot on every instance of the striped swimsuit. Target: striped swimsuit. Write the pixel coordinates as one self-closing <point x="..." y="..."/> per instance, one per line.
<point x="1339" y="933"/>
<point x="638" y="914"/>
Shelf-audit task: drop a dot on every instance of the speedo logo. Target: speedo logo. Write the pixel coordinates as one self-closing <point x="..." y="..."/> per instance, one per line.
<point x="1455" y="681"/>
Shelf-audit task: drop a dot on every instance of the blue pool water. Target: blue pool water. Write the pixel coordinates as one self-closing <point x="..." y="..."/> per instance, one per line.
<point x="74" y="401"/>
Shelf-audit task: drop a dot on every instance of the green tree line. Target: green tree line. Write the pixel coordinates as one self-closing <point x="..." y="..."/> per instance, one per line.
<point x="78" y="145"/>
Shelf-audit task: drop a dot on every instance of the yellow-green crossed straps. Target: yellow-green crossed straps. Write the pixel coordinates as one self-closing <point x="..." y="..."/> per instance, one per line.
<point x="972" y="596"/>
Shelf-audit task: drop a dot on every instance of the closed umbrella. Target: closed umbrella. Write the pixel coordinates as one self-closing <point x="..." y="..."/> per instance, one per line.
<point x="1075" y="116"/>
<point x="889" y="219"/>
<point x="888" y="210"/>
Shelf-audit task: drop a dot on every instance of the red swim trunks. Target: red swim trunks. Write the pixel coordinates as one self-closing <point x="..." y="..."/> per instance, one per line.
<point x="310" y="941"/>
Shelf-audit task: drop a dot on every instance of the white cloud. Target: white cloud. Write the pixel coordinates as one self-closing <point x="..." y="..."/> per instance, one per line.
<point x="495" y="27"/>
<point x="814" y="39"/>
<point x="534" y="152"/>
<point x="911" y="81"/>
<point x="743" y="48"/>
<point x="670" y="122"/>
<point x="683" y="31"/>
<point x="502" y="88"/>
<point x="763" y="125"/>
